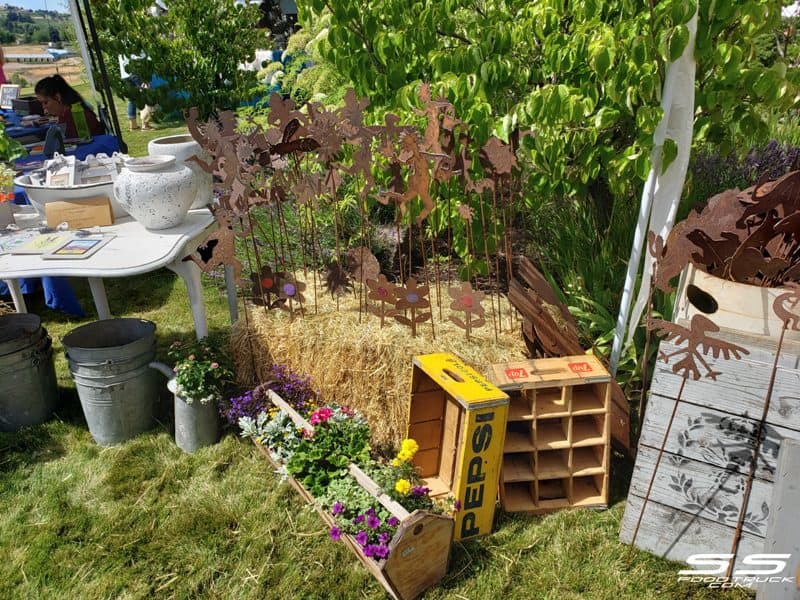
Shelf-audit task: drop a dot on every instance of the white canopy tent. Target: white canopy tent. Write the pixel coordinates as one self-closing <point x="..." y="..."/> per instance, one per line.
<point x="662" y="190"/>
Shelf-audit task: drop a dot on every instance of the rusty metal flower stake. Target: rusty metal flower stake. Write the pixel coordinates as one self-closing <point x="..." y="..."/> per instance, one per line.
<point x="468" y="301"/>
<point x="384" y="292"/>
<point x="413" y="298"/>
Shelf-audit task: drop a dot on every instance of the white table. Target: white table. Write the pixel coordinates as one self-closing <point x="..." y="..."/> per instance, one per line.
<point x="133" y="250"/>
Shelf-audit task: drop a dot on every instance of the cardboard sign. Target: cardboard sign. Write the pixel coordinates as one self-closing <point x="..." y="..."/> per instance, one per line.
<point x="87" y="212"/>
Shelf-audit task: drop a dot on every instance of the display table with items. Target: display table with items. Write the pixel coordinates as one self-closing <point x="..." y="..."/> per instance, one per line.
<point x="133" y="250"/>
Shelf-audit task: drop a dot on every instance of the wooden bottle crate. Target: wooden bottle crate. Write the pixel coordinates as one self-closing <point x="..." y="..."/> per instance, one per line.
<point x="458" y="419"/>
<point x="557" y="448"/>
<point x="419" y="551"/>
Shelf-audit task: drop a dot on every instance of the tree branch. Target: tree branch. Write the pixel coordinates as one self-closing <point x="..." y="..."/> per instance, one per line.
<point x="456" y="36"/>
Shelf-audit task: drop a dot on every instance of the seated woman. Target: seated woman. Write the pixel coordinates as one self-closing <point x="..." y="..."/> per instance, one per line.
<point x="59" y="99"/>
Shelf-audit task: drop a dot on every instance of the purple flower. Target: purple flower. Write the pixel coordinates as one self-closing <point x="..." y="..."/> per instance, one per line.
<point x="384" y="537"/>
<point x="373" y="522"/>
<point x="358" y="519"/>
<point x="370" y="511"/>
<point x="393" y="521"/>
<point x="381" y="551"/>
<point x="335" y="533"/>
<point x="457" y="505"/>
<point x="419" y="490"/>
<point x="338" y="508"/>
<point x="362" y="538"/>
<point x="369" y="550"/>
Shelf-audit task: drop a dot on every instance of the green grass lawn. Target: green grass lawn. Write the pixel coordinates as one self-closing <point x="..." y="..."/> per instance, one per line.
<point x="144" y="520"/>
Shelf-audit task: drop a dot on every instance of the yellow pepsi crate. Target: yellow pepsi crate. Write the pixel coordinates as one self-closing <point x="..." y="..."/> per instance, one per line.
<point x="458" y="419"/>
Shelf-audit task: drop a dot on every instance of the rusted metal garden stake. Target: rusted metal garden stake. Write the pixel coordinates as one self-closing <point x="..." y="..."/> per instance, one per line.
<point x="792" y="298"/>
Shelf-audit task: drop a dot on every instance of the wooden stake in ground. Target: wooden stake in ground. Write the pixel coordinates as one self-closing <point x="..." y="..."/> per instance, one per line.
<point x="784" y="307"/>
<point x="698" y="343"/>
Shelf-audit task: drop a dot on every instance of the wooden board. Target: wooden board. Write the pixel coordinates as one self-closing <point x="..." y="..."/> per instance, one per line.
<point x="695" y="488"/>
<point x="783" y="529"/>
<point x="699" y="487"/>
<point x="680" y="534"/>
<point x="716" y="438"/>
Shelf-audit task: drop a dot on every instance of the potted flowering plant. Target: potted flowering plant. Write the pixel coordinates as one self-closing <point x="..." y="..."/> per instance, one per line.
<point x="198" y="380"/>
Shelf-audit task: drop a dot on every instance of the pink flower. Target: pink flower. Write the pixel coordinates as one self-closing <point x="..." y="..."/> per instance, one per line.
<point x="174" y="369"/>
<point x="321" y="415"/>
<point x="215" y="365"/>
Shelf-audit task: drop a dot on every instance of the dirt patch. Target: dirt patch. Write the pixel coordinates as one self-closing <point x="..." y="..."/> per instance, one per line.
<point x="71" y="69"/>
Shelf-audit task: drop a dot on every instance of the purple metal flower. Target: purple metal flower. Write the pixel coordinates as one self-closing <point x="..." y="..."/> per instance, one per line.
<point x="373" y="522"/>
<point x="335" y="533"/>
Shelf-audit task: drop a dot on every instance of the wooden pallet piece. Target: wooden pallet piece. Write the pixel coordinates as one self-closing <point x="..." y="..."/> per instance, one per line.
<point x="419" y="551"/>
<point x="558" y="433"/>
<point x="698" y="489"/>
<point x="783" y="530"/>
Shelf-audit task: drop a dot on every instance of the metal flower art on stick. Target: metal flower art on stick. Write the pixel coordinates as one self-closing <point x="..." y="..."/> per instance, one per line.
<point x="414" y="298"/>
<point x="384" y="293"/>
<point x="467" y="301"/>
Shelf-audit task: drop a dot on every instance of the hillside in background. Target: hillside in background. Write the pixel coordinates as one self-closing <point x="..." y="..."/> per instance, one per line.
<point x="23" y="26"/>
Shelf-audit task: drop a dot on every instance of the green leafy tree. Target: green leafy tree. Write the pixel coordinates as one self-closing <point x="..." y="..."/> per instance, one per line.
<point x="586" y="76"/>
<point x="196" y="46"/>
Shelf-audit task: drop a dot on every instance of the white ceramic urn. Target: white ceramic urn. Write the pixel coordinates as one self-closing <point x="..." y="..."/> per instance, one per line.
<point x="156" y="191"/>
<point x="183" y="147"/>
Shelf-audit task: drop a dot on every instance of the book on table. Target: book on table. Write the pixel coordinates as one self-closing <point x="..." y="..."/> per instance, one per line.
<point x="78" y="247"/>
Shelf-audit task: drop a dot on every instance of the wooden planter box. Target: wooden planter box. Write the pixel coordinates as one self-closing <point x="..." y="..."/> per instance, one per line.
<point x="420" y="549"/>
<point x="734" y="306"/>
<point x="557" y="448"/>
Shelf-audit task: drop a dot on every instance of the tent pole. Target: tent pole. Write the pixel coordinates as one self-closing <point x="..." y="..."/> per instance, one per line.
<point x="99" y="63"/>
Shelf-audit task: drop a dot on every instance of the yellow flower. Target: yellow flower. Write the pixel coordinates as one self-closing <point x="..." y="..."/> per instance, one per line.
<point x="409" y="446"/>
<point x="403" y="486"/>
<point x="403" y="456"/>
<point x="396" y="462"/>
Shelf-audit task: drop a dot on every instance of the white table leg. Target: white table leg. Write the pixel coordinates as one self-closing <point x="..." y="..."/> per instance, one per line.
<point x="190" y="273"/>
<point x="99" y="296"/>
<point x="16" y="295"/>
<point x="233" y="299"/>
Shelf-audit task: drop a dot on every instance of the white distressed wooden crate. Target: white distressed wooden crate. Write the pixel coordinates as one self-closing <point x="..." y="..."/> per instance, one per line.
<point x="699" y="487"/>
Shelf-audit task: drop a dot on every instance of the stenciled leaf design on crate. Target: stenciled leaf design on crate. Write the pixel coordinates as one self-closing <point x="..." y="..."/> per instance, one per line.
<point x="337" y="281"/>
<point x="384" y="293"/>
<point x="413" y="298"/>
<point x="698" y="343"/>
<point x="362" y="264"/>
<point x="467" y="301"/>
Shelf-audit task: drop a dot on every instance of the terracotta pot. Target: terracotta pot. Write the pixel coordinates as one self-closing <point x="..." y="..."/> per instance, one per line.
<point x="156" y="191"/>
<point x="184" y="147"/>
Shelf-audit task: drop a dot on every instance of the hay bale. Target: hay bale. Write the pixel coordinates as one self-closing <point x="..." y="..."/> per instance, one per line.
<point x="359" y="363"/>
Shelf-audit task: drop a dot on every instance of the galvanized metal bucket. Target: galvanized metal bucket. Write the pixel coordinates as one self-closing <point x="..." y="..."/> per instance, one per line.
<point x="28" y="386"/>
<point x="109" y="361"/>
<point x="196" y="424"/>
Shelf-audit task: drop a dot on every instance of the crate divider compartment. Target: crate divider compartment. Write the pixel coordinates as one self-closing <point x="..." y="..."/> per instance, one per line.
<point x="521" y="407"/>
<point x="550" y="402"/>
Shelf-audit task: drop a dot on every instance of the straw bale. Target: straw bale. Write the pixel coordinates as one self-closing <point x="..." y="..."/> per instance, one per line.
<point x="356" y="362"/>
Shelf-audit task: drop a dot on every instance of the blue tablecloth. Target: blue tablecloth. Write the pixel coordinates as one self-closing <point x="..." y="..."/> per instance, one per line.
<point x="57" y="292"/>
<point x="14" y="128"/>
